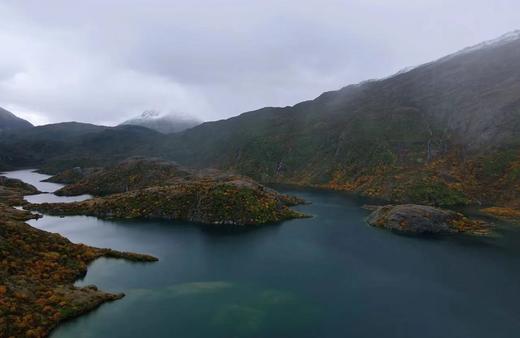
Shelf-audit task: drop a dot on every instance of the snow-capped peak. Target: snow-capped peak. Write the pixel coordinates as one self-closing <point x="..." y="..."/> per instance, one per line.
<point x="150" y="114"/>
<point x="502" y="40"/>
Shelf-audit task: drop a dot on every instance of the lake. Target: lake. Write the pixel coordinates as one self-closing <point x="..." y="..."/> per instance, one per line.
<point x="326" y="276"/>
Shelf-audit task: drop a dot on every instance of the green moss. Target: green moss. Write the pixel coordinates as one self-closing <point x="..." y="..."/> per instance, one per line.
<point x="66" y="312"/>
<point x="497" y="164"/>
<point x="513" y="175"/>
<point x="436" y="193"/>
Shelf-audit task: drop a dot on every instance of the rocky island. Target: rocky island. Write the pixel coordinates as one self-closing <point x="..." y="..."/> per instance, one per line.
<point x="156" y="189"/>
<point x="421" y="219"/>
<point x="38" y="270"/>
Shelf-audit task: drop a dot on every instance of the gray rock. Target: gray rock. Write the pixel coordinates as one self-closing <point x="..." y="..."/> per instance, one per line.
<point x="419" y="219"/>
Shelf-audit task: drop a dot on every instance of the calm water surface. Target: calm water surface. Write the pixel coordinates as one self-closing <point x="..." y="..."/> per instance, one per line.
<point x="327" y="276"/>
<point x="47" y="188"/>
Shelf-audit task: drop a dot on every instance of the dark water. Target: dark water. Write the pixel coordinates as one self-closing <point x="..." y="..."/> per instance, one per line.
<point x="328" y="276"/>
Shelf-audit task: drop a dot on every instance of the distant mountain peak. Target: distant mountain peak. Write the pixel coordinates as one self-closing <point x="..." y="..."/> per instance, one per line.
<point x="150" y="114"/>
<point x="164" y="123"/>
<point x="493" y="43"/>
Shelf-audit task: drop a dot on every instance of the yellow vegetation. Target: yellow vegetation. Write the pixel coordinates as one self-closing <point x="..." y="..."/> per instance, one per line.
<point x="500" y="212"/>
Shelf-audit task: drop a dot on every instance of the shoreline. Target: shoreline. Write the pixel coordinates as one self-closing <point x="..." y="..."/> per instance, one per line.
<point x="38" y="270"/>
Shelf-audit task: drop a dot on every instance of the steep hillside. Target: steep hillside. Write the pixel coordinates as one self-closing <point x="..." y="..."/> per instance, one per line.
<point x="445" y="130"/>
<point x="9" y="121"/>
<point x="71" y="144"/>
<point x="471" y="99"/>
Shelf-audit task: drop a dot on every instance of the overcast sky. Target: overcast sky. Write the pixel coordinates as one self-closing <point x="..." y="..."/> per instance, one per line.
<point x="103" y="61"/>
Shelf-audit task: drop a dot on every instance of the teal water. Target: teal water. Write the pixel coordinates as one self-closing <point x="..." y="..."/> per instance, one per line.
<point x="326" y="276"/>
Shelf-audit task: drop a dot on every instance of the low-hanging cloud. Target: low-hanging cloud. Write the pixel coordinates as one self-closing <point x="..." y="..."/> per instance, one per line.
<point x="102" y="62"/>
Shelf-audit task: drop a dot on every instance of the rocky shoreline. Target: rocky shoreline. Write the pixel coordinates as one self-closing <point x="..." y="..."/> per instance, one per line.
<point x="38" y="270"/>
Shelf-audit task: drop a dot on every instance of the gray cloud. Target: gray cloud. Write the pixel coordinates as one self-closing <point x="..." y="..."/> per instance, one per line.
<point x="102" y="62"/>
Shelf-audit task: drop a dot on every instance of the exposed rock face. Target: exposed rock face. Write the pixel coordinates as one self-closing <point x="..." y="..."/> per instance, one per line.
<point x="421" y="219"/>
<point x="38" y="270"/>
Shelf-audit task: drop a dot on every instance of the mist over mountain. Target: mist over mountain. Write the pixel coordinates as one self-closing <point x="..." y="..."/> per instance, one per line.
<point x="431" y="128"/>
<point x="166" y="124"/>
<point x="446" y="132"/>
<point x="9" y="121"/>
<point x="470" y="98"/>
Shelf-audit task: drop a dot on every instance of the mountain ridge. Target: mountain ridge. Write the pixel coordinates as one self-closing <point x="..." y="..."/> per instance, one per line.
<point x="9" y="121"/>
<point x="165" y="124"/>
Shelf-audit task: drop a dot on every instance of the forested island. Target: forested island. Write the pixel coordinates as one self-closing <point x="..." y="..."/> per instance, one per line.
<point x="157" y="189"/>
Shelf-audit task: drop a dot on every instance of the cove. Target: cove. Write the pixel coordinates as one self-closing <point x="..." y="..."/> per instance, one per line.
<point x="327" y="276"/>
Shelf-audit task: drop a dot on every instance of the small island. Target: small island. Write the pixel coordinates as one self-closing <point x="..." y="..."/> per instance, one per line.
<point x="157" y="189"/>
<point x="422" y="219"/>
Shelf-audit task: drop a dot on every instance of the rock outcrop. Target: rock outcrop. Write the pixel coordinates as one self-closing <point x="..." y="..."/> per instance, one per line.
<point x="421" y="219"/>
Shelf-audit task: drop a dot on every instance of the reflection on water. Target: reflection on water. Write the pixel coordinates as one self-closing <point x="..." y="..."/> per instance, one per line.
<point x="51" y="198"/>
